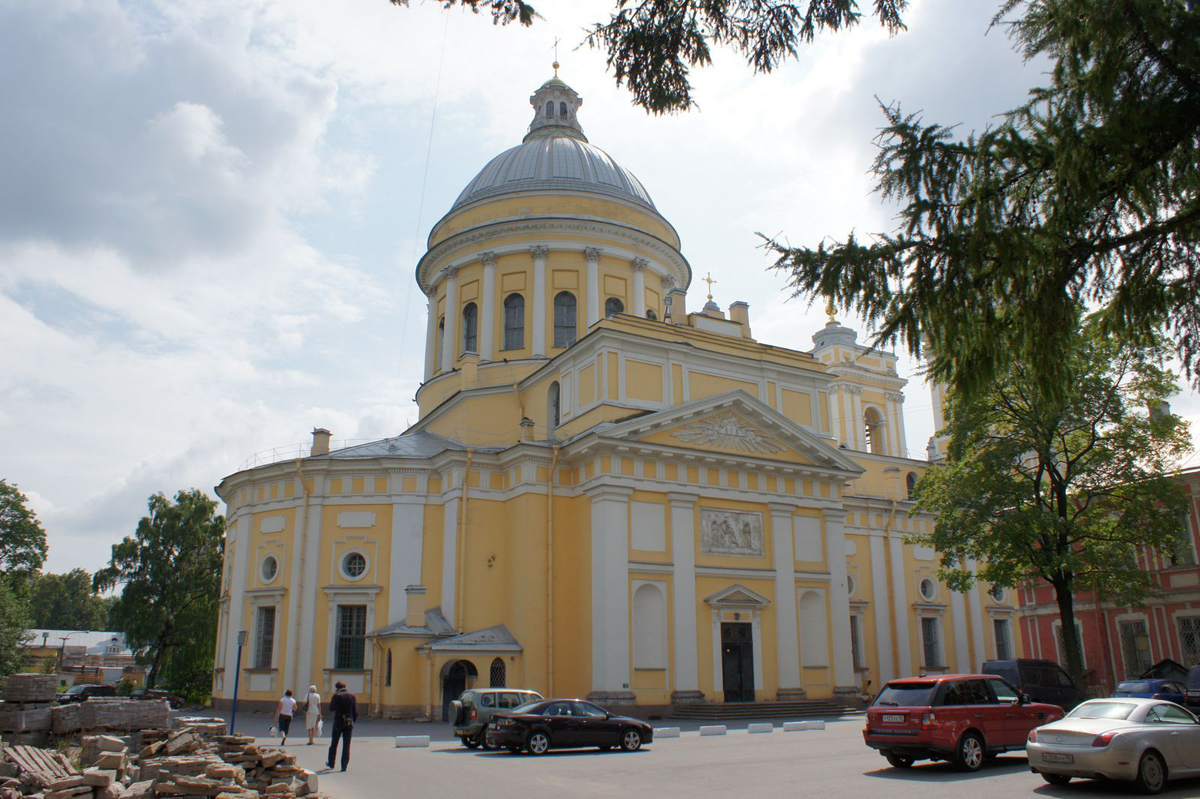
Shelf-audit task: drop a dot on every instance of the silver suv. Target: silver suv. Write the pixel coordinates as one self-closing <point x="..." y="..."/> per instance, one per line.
<point x="472" y="711"/>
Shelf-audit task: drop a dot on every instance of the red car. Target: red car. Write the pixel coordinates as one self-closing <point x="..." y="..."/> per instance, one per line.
<point x="963" y="718"/>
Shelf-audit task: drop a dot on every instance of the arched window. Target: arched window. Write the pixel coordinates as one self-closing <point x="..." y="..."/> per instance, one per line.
<point x="471" y="328"/>
<point x="612" y="307"/>
<point x="387" y="671"/>
<point x="873" y="431"/>
<point x="562" y="110"/>
<point x="565" y="324"/>
<point x="514" y="322"/>
<point x="651" y="315"/>
<point x="552" y="407"/>
<point x="497" y="673"/>
<point x="649" y="627"/>
<point x="912" y="484"/>
<point x="441" y="340"/>
<point x="549" y="108"/>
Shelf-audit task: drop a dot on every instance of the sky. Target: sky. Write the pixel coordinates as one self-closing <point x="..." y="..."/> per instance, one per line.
<point x="211" y="210"/>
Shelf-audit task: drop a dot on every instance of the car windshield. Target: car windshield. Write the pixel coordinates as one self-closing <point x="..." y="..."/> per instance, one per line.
<point x="906" y="694"/>
<point x="1102" y="710"/>
<point x="527" y="707"/>
<point x="1135" y="687"/>
<point x="75" y="689"/>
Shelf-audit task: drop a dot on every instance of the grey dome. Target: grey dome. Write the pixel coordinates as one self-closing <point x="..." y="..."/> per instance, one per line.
<point x="554" y="163"/>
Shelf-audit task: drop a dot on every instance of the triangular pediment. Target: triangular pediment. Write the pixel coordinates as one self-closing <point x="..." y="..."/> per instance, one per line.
<point x="493" y="639"/>
<point x="735" y="423"/>
<point x="739" y="595"/>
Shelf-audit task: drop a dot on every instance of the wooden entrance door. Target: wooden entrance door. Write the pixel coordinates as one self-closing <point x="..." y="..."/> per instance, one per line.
<point x="737" y="661"/>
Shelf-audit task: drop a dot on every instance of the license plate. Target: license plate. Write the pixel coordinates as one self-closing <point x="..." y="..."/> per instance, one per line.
<point x="893" y="718"/>
<point x="1053" y="758"/>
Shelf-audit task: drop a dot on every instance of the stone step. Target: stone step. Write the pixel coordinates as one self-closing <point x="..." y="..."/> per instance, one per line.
<point x="756" y="710"/>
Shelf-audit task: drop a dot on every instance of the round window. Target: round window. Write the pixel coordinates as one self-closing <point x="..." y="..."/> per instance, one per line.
<point x="998" y="593"/>
<point x="850" y="584"/>
<point x="354" y="565"/>
<point x="270" y="567"/>
<point x="928" y="589"/>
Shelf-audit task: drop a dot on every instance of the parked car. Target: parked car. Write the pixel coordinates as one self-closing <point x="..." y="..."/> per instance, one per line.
<point x="962" y="718"/>
<point x="1146" y="741"/>
<point x="1044" y="680"/>
<point x="538" y="727"/>
<point x="1193" y="686"/>
<point x="84" y="691"/>
<point x="173" y="701"/>
<point x="1168" y="690"/>
<point x="472" y="711"/>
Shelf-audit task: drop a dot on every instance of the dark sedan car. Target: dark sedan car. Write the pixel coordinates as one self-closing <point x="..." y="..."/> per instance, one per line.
<point x="537" y="727"/>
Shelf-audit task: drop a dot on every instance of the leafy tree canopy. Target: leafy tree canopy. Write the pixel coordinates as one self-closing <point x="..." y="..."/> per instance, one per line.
<point x="22" y="539"/>
<point x="1088" y="194"/>
<point x="66" y="602"/>
<point x="653" y="45"/>
<point x="14" y="621"/>
<point x="171" y="576"/>
<point x="1065" y="488"/>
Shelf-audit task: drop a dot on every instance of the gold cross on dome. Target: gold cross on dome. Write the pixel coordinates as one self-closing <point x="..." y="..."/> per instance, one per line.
<point x="709" y="280"/>
<point x="556" y="41"/>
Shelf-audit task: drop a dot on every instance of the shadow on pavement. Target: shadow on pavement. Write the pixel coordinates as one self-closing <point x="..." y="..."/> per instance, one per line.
<point x="946" y="772"/>
<point x="1189" y="788"/>
<point x="504" y="753"/>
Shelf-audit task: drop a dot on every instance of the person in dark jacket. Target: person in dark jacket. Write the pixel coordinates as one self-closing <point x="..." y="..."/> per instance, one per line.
<point x="344" y="709"/>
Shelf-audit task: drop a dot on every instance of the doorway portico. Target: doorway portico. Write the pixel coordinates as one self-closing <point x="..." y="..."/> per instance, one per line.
<point x="736" y="614"/>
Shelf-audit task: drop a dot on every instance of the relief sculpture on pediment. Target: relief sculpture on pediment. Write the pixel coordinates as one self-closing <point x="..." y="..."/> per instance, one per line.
<point x="726" y="431"/>
<point x="730" y="532"/>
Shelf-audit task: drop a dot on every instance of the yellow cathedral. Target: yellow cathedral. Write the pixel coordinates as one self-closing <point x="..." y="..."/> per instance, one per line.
<point x="606" y="495"/>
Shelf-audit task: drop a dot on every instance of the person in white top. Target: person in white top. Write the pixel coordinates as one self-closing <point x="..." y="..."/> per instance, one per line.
<point x="287" y="707"/>
<point x="312" y="715"/>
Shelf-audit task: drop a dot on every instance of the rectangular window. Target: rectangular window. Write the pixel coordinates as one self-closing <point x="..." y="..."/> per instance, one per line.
<point x="856" y="642"/>
<point x="1185" y="550"/>
<point x="264" y="638"/>
<point x="1003" y="638"/>
<point x="1189" y="639"/>
<point x="1062" y="646"/>
<point x="931" y="643"/>
<point x="1135" y="646"/>
<point x="351" y="637"/>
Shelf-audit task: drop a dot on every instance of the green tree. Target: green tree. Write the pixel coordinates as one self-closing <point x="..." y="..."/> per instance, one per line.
<point x="66" y="602"/>
<point x="653" y="45"/>
<point x="14" y="622"/>
<point x="1088" y="194"/>
<point x="22" y="539"/>
<point x="170" y="571"/>
<point x="1063" y="488"/>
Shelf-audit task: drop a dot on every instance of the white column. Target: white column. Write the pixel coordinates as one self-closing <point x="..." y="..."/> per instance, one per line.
<point x="881" y="606"/>
<point x="610" y="589"/>
<point x="431" y="335"/>
<point x="895" y="423"/>
<point x="683" y="547"/>
<point x="839" y="599"/>
<point x="638" y="265"/>
<point x="540" y="312"/>
<point x="487" y="316"/>
<point x="450" y="333"/>
<point x="756" y="649"/>
<point x="787" y="642"/>
<point x="592" y="255"/>
<point x="860" y="440"/>
<point x="835" y="413"/>
<point x="305" y="645"/>
<point x="962" y="654"/>
<point x="239" y="565"/>
<point x="976" y="622"/>
<point x="450" y="559"/>
<point x="901" y="440"/>
<point x="408" y="539"/>
<point x="900" y="608"/>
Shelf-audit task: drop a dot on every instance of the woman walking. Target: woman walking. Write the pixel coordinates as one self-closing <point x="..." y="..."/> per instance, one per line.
<point x="284" y="711"/>
<point x="312" y="714"/>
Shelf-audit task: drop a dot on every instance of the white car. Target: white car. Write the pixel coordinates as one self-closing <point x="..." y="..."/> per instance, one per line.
<point x="1145" y="741"/>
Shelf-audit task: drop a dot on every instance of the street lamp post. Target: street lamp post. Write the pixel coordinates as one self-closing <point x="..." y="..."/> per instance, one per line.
<point x="237" y="675"/>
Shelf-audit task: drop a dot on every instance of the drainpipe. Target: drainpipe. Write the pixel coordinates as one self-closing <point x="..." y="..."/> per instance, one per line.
<point x="550" y="574"/>
<point x="300" y="576"/>
<point x="462" y="541"/>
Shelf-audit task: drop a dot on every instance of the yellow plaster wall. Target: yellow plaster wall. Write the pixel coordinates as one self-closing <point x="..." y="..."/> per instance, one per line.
<point x="701" y="385"/>
<point x="643" y="381"/>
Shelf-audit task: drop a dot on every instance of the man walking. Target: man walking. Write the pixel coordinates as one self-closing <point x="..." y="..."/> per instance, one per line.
<point x="344" y="708"/>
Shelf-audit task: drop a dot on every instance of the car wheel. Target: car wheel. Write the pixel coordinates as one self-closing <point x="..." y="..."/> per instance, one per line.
<point x="1152" y="773"/>
<point x="483" y="742"/>
<point x="899" y="762"/>
<point x="631" y="740"/>
<point x="538" y="743"/>
<point x="1056" y="779"/>
<point x="470" y="741"/>
<point x="970" y="753"/>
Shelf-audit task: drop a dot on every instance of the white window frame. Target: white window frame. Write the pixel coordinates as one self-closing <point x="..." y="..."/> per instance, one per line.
<point x="1128" y="617"/>
<point x="996" y="641"/>
<point x="941" y="642"/>
<point x="1188" y="613"/>
<point x="1058" y="650"/>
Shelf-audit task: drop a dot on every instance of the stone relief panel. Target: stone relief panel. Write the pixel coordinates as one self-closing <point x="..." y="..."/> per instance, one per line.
<point x="731" y="532"/>
<point x="726" y="431"/>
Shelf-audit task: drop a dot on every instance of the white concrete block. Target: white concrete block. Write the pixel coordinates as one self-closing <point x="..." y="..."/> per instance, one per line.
<point x="764" y="726"/>
<point x="666" y="732"/>
<point x="713" y="729"/>
<point x="816" y="725"/>
<point x="411" y="741"/>
<point x="799" y="726"/>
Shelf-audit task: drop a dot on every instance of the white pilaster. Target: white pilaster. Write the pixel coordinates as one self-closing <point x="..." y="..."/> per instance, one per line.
<point x="431" y="336"/>
<point x="487" y="316"/>
<point x="638" y="265"/>
<point x="408" y="539"/>
<point x="976" y="622"/>
<point x="683" y="548"/>
<point x="839" y="599"/>
<point x="539" y="254"/>
<point x="239" y="566"/>
<point x="592" y="255"/>
<point x="962" y="653"/>
<point x="835" y="413"/>
<point x="450" y="559"/>
<point x="895" y="422"/>
<point x="902" y="439"/>
<point x="610" y="588"/>
<point x="756" y="648"/>
<point x="787" y="642"/>
<point x="882" y="612"/>
<point x="857" y="434"/>
<point x="305" y="647"/>
<point x="450" y="333"/>
<point x="900" y="608"/>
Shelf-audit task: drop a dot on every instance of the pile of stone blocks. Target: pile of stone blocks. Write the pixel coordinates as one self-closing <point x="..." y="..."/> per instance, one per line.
<point x="25" y="713"/>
